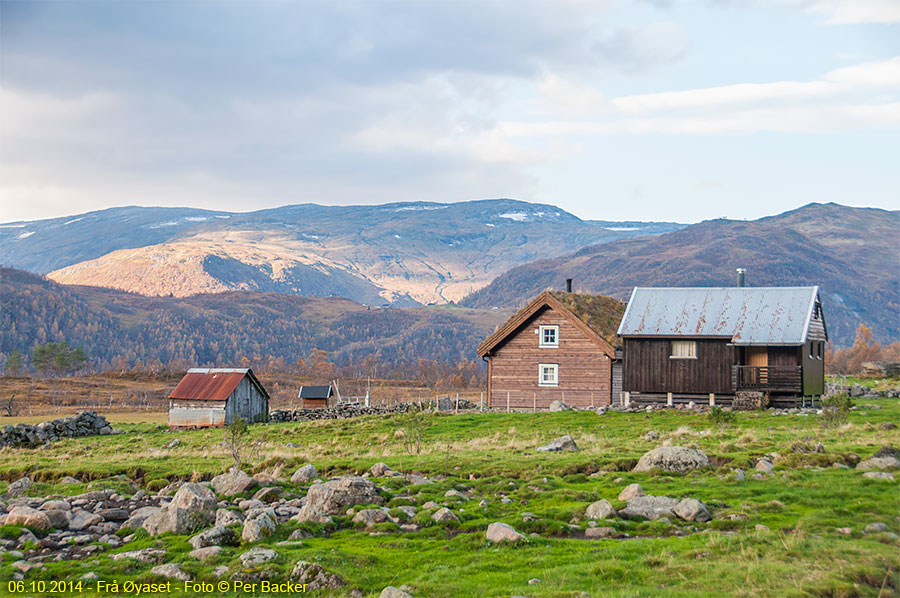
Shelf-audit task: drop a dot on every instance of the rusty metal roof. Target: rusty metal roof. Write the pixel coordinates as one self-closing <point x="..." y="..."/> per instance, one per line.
<point x="213" y="384"/>
<point x="746" y="315"/>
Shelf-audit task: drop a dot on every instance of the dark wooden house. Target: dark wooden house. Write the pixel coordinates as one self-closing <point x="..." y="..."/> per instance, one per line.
<point x="683" y="344"/>
<point x="558" y="347"/>
<point x="314" y="397"/>
<point x="212" y="397"/>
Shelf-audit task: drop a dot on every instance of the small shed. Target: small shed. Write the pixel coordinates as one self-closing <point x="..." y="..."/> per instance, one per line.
<point x="212" y="397"/>
<point x="314" y="397"/>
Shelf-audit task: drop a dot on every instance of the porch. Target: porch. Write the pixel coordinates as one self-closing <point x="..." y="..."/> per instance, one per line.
<point x="772" y="378"/>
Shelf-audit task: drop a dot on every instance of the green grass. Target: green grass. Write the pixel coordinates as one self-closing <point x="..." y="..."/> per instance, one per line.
<point x="490" y="456"/>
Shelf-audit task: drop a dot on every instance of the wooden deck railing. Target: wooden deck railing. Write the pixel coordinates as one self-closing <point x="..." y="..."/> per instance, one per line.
<point x="782" y="378"/>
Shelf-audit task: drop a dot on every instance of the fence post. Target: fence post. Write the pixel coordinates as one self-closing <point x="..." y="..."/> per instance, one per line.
<point x="507" y="401"/>
<point x="592" y="399"/>
<point x="456" y="410"/>
<point x="669" y="399"/>
<point x="627" y="398"/>
<point x="534" y="402"/>
<point x="481" y="401"/>
<point x="712" y="399"/>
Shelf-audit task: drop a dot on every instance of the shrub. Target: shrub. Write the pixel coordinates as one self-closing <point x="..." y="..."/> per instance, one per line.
<point x="720" y="417"/>
<point x="835" y="409"/>
<point x="158" y="484"/>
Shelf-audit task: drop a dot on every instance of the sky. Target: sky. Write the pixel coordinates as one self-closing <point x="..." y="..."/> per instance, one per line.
<point x="611" y="110"/>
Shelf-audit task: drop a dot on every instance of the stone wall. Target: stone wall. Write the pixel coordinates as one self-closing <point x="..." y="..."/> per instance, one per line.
<point x="347" y="411"/>
<point x="84" y="423"/>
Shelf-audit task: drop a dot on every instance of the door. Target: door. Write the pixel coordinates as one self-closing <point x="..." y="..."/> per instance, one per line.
<point x="758" y="357"/>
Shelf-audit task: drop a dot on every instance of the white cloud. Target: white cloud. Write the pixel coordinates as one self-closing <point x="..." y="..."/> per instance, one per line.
<point x="854" y="12"/>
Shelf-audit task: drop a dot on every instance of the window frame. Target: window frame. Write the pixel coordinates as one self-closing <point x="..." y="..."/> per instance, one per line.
<point x="548" y="327"/>
<point x="554" y="367"/>
<point x="691" y="344"/>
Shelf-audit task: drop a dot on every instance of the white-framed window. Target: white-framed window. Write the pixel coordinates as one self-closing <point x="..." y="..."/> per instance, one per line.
<point x="684" y="350"/>
<point x="549" y="336"/>
<point x="548" y="374"/>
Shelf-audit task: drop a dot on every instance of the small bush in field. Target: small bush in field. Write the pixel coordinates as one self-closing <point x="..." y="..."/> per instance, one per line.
<point x="835" y="409"/>
<point x="721" y="418"/>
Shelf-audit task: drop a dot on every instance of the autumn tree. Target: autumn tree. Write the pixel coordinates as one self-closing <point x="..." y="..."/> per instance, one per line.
<point x="57" y="358"/>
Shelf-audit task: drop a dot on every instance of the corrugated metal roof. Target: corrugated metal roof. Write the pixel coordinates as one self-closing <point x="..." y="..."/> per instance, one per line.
<point x="315" y="392"/>
<point x="211" y="384"/>
<point x="746" y="315"/>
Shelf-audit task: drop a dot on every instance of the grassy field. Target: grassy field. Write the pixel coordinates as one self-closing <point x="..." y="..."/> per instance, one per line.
<point x="492" y="456"/>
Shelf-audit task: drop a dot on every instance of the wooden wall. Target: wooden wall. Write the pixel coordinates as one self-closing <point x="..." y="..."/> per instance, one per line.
<point x="247" y="402"/>
<point x="648" y="368"/>
<point x="584" y="369"/>
<point x="813" y="368"/>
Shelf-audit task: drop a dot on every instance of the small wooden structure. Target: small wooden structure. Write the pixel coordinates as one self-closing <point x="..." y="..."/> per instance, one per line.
<point x="706" y="344"/>
<point x="315" y="397"/>
<point x="212" y="397"/>
<point x="560" y="347"/>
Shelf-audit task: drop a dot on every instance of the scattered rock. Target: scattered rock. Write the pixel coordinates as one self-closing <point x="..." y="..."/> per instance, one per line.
<point x="631" y="491"/>
<point x="886" y="462"/>
<point x="651" y="435"/>
<point x="558" y="406"/>
<point x="172" y="443"/>
<point x="844" y="530"/>
<point x="29" y="517"/>
<point x="563" y="443"/>
<point x="501" y="532"/>
<point x="739" y="475"/>
<point x="599" y="510"/>
<point x="144" y="556"/>
<point x="878" y="475"/>
<point x="691" y="509"/>
<point x="600" y="532"/>
<point x="259" y="526"/>
<point x="170" y="571"/>
<point x="430" y="505"/>
<point x="233" y="483"/>
<point x="370" y="517"/>
<point x="649" y="507"/>
<point x="335" y="496"/>
<point x="765" y="466"/>
<point x="444" y="515"/>
<point x="380" y="470"/>
<point x="206" y="553"/>
<point x="761" y="528"/>
<point x="392" y="592"/>
<point x="19" y="487"/>
<point x="305" y="474"/>
<point x="315" y="576"/>
<point x="876" y="528"/>
<point x="674" y="459"/>
<point x="192" y="508"/>
<point x="258" y="556"/>
<point x="229" y="517"/>
<point x="215" y="536"/>
<point x="268" y="495"/>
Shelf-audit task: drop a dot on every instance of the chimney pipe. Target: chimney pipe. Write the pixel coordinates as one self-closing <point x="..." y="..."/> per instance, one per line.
<point x="568" y="285"/>
<point x="740" y="276"/>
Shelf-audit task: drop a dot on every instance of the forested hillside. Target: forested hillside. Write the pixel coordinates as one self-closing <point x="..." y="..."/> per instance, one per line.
<point x="122" y="330"/>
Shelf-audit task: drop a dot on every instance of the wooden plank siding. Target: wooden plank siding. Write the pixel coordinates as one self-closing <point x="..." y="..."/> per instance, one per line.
<point x="584" y="368"/>
<point x="648" y="368"/>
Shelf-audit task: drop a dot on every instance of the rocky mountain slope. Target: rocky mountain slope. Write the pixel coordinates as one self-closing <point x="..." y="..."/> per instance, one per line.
<point x="851" y="253"/>
<point x="118" y="329"/>
<point x="403" y="253"/>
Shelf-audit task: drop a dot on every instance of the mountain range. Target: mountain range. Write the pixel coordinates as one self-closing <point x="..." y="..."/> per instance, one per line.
<point x="850" y="253"/>
<point x="399" y="254"/>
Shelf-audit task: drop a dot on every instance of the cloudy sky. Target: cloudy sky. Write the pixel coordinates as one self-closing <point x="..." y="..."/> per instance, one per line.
<point x="651" y="110"/>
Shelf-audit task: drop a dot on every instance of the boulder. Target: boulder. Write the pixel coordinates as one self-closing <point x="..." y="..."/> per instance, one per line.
<point x="258" y="556"/>
<point x="56" y="505"/>
<point x="268" y="495"/>
<point x="170" y="571"/>
<point x="501" y="532"/>
<point x="558" y="406"/>
<point x="631" y="491"/>
<point x="58" y="519"/>
<point x="878" y="475"/>
<point x="599" y="510"/>
<point x="233" y="483"/>
<point x="305" y="474"/>
<point x="144" y="556"/>
<point x="29" y="517"/>
<point x="215" y="536"/>
<point x="80" y="519"/>
<point x="600" y="532"/>
<point x="19" y="487"/>
<point x="673" y="459"/>
<point x="113" y="514"/>
<point x="650" y="507"/>
<point x="370" y="517"/>
<point x="315" y="576"/>
<point x="765" y="466"/>
<point x="563" y="443"/>
<point x="335" y="496"/>
<point x="691" y="509"/>
<point x="444" y="515"/>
